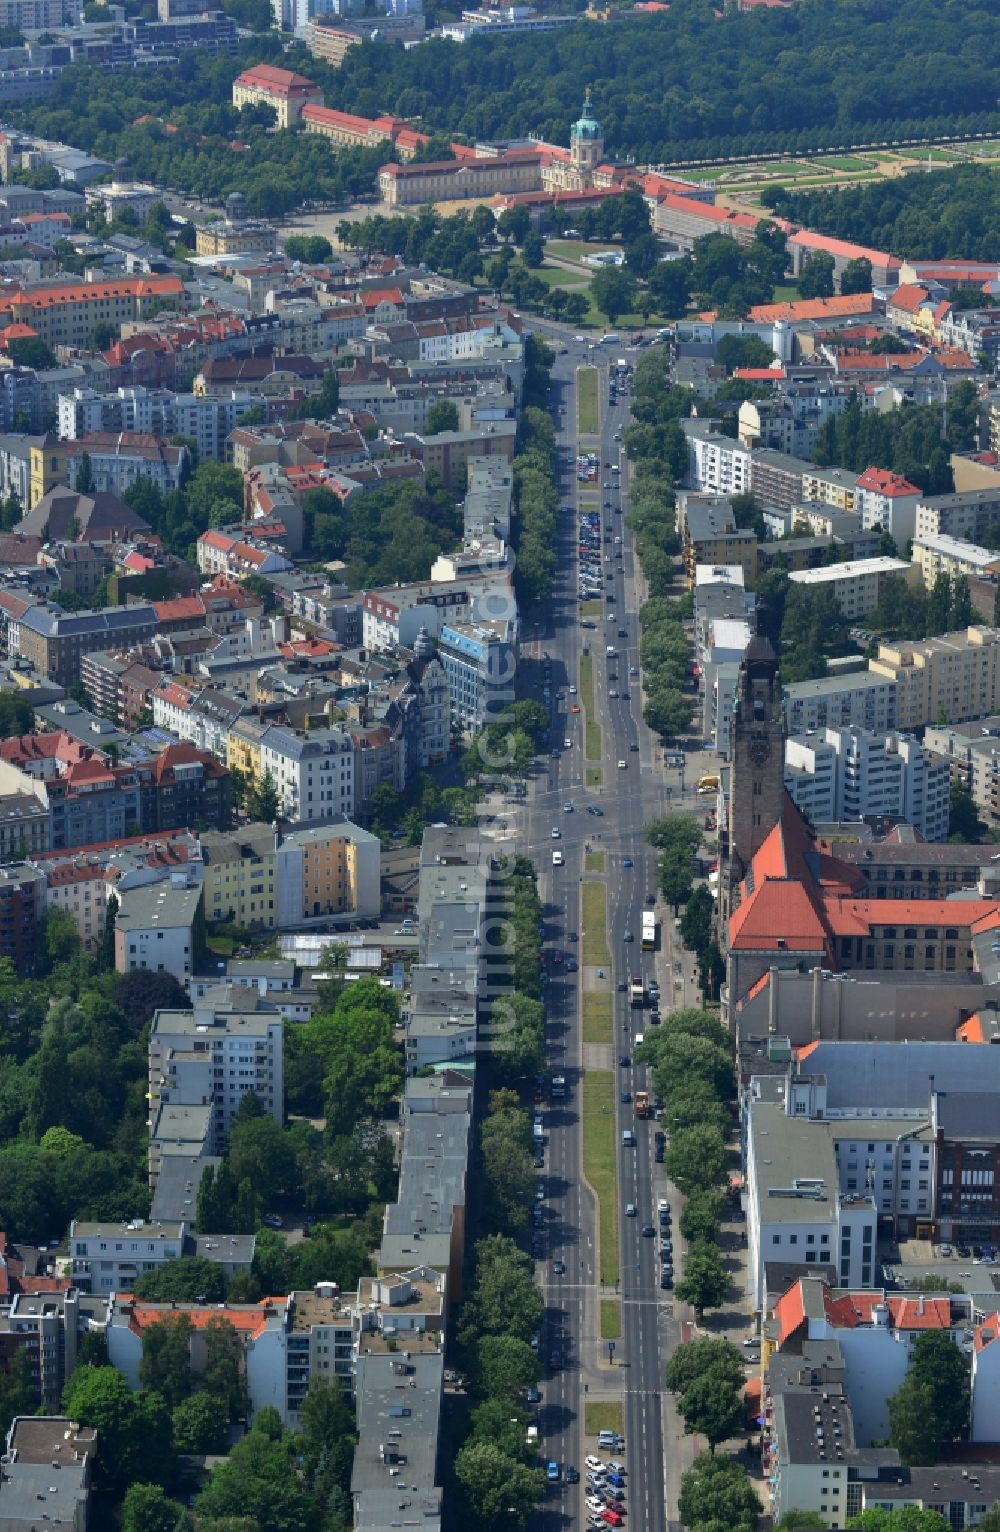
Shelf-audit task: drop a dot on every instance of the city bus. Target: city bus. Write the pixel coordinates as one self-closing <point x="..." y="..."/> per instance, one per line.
<point x="648" y="931"/>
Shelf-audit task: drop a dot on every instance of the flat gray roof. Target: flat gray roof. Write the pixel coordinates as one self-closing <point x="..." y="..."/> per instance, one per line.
<point x="788" y="1150"/>
<point x="399" y="1409"/>
<point x="875" y="1076"/>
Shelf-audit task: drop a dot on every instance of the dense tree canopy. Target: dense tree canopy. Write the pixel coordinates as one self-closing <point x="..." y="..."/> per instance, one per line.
<point x="921" y="217"/>
<point x="686" y="82"/>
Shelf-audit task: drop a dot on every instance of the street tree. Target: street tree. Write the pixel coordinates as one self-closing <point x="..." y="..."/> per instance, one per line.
<point x="699" y="1358"/>
<point x="696" y="1160"/>
<point x="705" y="1282"/>
<point x="676" y="876"/>
<point x="499" y="1491"/>
<point x="698" y="920"/>
<point x="675" y="830"/>
<point x="701" y="1217"/>
<point x="714" y="1407"/>
<point x="717" y="1490"/>
<point x="505" y="1367"/>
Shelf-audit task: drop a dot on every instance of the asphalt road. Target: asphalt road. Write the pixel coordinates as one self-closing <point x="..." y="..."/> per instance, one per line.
<point x="628" y="798"/>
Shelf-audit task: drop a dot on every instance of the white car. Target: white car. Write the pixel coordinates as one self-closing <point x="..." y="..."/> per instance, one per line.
<point x="572" y="691"/>
<point x="622" y="765"/>
<point x="595" y="1505"/>
<point x="596" y="1464"/>
<point x="630" y="1210"/>
<point x="567" y="743"/>
<point x="556" y="833"/>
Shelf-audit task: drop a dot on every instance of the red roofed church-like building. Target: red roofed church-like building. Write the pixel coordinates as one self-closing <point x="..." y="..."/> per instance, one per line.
<point x="785" y="899"/>
<point x="285" y="91"/>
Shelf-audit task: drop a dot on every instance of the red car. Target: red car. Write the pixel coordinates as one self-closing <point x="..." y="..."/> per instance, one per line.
<point x="613" y="1518"/>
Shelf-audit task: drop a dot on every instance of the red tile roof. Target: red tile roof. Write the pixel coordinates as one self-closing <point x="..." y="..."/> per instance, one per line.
<point x="809" y="240"/>
<point x="815" y="308"/>
<point x="790" y="1312"/>
<point x="884" y="482"/>
<point x="909" y="298"/>
<point x="280" y="82"/>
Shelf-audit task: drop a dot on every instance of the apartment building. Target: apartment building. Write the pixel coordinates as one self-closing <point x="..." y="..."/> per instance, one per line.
<point x="54" y="642"/>
<point x="49" y="1326"/>
<point x="835" y="487"/>
<point x="887" y="502"/>
<point x="158" y="927"/>
<point x="282" y="89"/>
<point x="34" y="1450"/>
<point x="204" y="718"/>
<point x="796" y="1214"/>
<point x="451" y="453"/>
<point x="208" y="419"/>
<point x="22" y="904"/>
<point x="479" y="661"/>
<point x="966" y="515"/>
<point x="776" y="478"/>
<point x="837" y="775"/>
<point x="711" y="537"/>
<point x="956" y="676"/>
<point x="108" y="1257"/>
<point x="856" y="585"/>
<point x="229" y="1044"/>
<point x="261" y="878"/>
<point x="313" y="772"/>
<point x="941" y="554"/>
<point x="118" y="458"/>
<point x="234" y="554"/>
<point x="717" y="464"/>
<point x="64" y="313"/>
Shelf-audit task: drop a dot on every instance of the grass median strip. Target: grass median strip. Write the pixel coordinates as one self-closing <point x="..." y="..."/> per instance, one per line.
<point x="597" y="1017"/>
<point x="594" y="921"/>
<point x="592" y="744"/>
<point x="586" y="401"/>
<point x="611" y="1322"/>
<point x="593" y="861"/>
<point x="599" y="1163"/>
<point x="603" y="1415"/>
<point x="593" y="776"/>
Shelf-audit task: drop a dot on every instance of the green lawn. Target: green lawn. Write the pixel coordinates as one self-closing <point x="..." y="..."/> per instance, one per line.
<point x="587" y="675"/>
<point x="599" y="1163"/>
<point x="593" y="776"/>
<point x="603" y="1415"/>
<point x="593" y="747"/>
<point x="611" y="1323"/>
<point x="842" y="162"/>
<point x="558" y="276"/>
<point x="593" y="861"/>
<point x="587" y="415"/>
<point x="597" y="1017"/>
<point x="576" y="249"/>
<point x="590" y="609"/>
<point x="594" y="923"/>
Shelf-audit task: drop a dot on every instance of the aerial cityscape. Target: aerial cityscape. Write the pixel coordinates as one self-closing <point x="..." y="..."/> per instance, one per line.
<point x="499" y="766"/>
